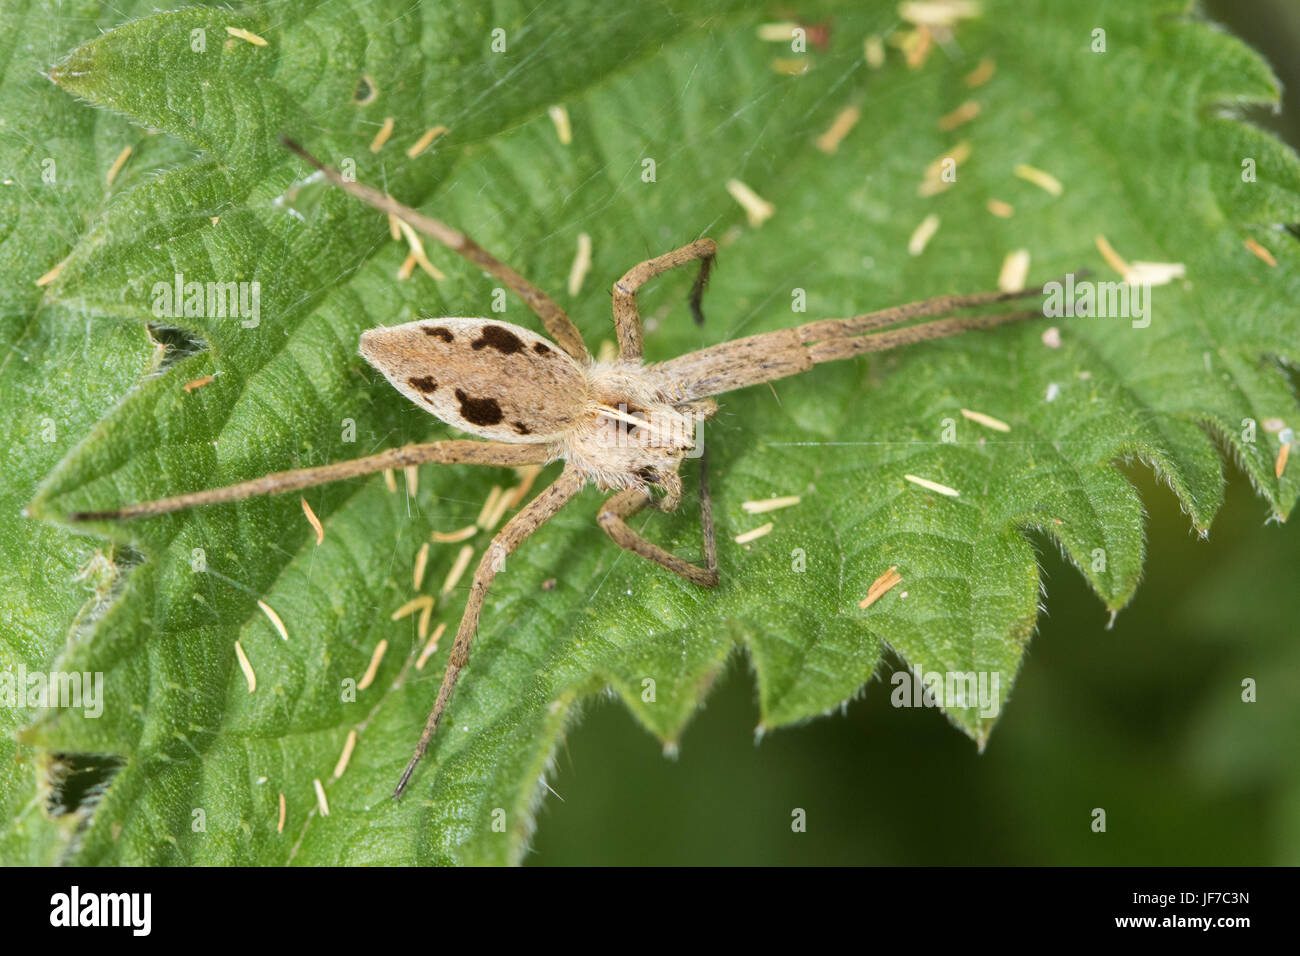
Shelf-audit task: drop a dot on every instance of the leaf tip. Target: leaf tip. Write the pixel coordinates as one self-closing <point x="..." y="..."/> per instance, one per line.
<point x="73" y="71"/>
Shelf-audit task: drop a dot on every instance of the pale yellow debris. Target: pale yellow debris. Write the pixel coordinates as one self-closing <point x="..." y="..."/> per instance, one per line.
<point x="873" y="51"/>
<point x="423" y="143"/>
<point x="421" y="562"/>
<point x="197" y="383"/>
<point x="939" y="13"/>
<point x="451" y="537"/>
<point x="431" y="647"/>
<point x="1003" y="210"/>
<point x="412" y="475"/>
<point x="321" y="802"/>
<point x="246" y="667"/>
<point x="563" y="128"/>
<point x="499" y="510"/>
<point x="1154" y="273"/>
<point x="118" y="163"/>
<point x="1015" y="271"/>
<point x="1260" y="251"/>
<point x="422" y="627"/>
<point x="279" y="826"/>
<point x="488" y="506"/>
<point x="981" y="74"/>
<point x="829" y="141"/>
<point x="777" y="32"/>
<point x="527" y="475"/>
<point x="962" y="114"/>
<point x="52" y="274"/>
<point x="791" y="66"/>
<point x="411" y="606"/>
<point x="755" y="534"/>
<point x="390" y="480"/>
<point x="346" y="755"/>
<point x="922" y="235"/>
<point x="314" y="522"/>
<point x="417" y="250"/>
<point x="918" y="47"/>
<point x="581" y="264"/>
<point x="757" y="209"/>
<point x="764" y="505"/>
<point x="1039" y="178"/>
<point x="988" y="421"/>
<point x="381" y="137"/>
<point x="1280" y="465"/>
<point x="457" y="569"/>
<point x="372" y="668"/>
<point x="933" y="486"/>
<point x="239" y="33"/>
<point x="406" y="268"/>
<point x="933" y="180"/>
<point x="1113" y="258"/>
<point x="274" y="618"/>
<point x="879" y="586"/>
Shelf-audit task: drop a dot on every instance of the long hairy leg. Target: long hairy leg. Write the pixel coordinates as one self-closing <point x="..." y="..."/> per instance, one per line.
<point x="454" y="452"/>
<point x="882" y="318"/>
<point x="627" y="317"/>
<point x="623" y="505"/>
<point x="538" y="511"/>
<point x="557" y="322"/>
<point x="774" y="355"/>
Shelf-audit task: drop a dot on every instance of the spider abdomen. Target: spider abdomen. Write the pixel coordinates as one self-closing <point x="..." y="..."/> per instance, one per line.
<point x="484" y="376"/>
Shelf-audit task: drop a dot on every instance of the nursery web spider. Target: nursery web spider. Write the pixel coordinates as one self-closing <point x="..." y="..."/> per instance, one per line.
<point x="622" y="425"/>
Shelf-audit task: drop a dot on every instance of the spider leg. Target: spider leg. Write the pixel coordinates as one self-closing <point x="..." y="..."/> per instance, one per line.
<point x="706" y="513"/>
<point x="938" y="305"/>
<point x="557" y="322"/>
<point x="538" y="511"/>
<point x="770" y="356"/>
<point x="454" y="452"/>
<point x="627" y="318"/>
<point x="832" y="349"/>
<point x="623" y="505"/>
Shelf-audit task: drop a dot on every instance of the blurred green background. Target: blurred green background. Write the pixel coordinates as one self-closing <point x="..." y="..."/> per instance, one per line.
<point x="1144" y="720"/>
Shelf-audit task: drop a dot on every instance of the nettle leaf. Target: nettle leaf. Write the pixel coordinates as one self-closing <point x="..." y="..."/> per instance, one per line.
<point x="1141" y="137"/>
<point x="60" y="371"/>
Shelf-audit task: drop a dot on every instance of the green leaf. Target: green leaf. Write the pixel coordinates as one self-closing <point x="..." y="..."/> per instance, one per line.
<point x="60" y="371"/>
<point x="1141" y="136"/>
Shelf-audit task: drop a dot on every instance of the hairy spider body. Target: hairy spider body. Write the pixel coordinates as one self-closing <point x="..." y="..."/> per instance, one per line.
<point x="614" y="422"/>
<point x="621" y="425"/>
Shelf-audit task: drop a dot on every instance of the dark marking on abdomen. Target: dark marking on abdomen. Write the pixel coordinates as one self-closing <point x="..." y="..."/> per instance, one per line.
<point x="479" y="411"/>
<point x="439" y="331"/>
<point x="424" y="384"/>
<point x="522" y="428"/>
<point x="541" y="348"/>
<point x="499" y="338"/>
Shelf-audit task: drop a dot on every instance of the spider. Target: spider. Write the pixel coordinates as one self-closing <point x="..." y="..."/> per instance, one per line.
<point x="621" y="425"/>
